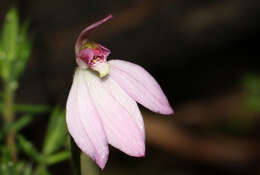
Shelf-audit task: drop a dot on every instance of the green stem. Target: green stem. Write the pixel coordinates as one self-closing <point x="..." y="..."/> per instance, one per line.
<point x="8" y="114"/>
<point x="75" y="157"/>
<point x="81" y="163"/>
<point x="88" y="167"/>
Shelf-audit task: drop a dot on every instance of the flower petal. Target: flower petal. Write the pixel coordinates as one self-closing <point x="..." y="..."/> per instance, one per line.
<point x="121" y="97"/>
<point x="140" y="85"/>
<point x="83" y="36"/>
<point x="123" y="130"/>
<point x="83" y="121"/>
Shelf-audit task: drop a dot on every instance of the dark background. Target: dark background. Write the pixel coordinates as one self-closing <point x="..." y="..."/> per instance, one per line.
<point x="199" y="52"/>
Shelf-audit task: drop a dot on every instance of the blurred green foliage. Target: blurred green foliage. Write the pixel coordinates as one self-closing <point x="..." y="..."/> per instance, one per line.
<point x="54" y="150"/>
<point x="15" y="49"/>
<point x="32" y="109"/>
<point x="55" y="135"/>
<point x="21" y="168"/>
<point x="252" y="86"/>
<point x="17" y="125"/>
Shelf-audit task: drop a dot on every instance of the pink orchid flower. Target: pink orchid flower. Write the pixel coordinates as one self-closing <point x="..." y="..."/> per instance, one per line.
<point x="101" y="107"/>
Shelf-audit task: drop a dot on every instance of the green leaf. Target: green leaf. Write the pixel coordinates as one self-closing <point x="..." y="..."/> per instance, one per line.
<point x="16" y="126"/>
<point x="5" y="154"/>
<point x="56" y="132"/>
<point x="28" y="148"/>
<point x="58" y="157"/>
<point x="15" y="48"/>
<point x="32" y="109"/>
<point x="22" y="122"/>
<point x="8" y="44"/>
<point x="24" y="46"/>
<point x="10" y="34"/>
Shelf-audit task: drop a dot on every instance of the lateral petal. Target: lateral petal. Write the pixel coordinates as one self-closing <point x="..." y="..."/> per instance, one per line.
<point x="122" y="130"/>
<point x="140" y="85"/>
<point x="83" y="121"/>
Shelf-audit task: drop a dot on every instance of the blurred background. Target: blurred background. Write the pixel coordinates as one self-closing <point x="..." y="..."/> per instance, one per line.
<point x="204" y="54"/>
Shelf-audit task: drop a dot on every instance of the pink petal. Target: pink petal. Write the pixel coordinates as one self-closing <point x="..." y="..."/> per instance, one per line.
<point x="121" y="97"/>
<point x="123" y="131"/>
<point x="140" y="85"/>
<point x="83" y="36"/>
<point x="83" y="121"/>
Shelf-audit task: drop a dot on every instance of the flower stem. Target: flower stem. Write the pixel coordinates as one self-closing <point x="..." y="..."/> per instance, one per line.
<point x="75" y="157"/>
<point x="8" y="113"/>
<point x="88" y="167"/>
<point x="81" y="163"/>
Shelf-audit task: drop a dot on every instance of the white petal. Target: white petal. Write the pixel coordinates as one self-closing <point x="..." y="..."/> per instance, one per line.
<point x="121" y="97"/>
<point x="140" y="85"/>
<point x="123" y="130"/>
<point x="83" y="121"/>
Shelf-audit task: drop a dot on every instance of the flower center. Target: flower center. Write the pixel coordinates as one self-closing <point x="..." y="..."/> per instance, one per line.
<point x="94" y="56"/>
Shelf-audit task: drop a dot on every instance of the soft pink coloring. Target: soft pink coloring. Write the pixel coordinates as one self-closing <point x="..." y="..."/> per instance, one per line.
<point x="101" y="107"/>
